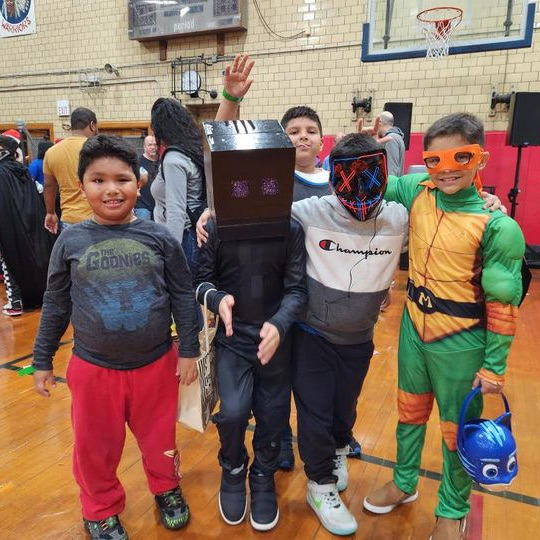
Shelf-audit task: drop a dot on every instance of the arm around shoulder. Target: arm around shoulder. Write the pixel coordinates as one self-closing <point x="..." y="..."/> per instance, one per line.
<point x="404" y="189"/>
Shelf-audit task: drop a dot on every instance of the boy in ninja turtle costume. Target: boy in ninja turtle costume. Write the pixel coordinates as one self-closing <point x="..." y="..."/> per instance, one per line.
<point x="460" y="315"/>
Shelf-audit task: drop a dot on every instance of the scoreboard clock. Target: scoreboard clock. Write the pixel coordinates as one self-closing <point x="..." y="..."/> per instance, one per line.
<point x="158" y="19"/>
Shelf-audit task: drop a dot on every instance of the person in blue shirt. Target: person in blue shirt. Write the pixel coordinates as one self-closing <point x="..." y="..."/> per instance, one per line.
<point x="36" y="165"/>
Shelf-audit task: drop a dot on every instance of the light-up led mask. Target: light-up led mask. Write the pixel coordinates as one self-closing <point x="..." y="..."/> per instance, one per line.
<point x="461" y="158"/>
<point x="360" y="182"/>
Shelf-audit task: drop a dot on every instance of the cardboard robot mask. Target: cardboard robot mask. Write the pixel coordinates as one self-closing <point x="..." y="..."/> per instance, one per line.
<point x="249" y="168"/>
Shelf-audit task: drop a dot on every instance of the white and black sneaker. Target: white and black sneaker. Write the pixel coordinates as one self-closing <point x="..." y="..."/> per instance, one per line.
<point x="325" y="501"/>
<point x="340" y="468"/>
<point x="232" y="496"/>
<point x="13" y="309"/>
<point x="264" y="512"/>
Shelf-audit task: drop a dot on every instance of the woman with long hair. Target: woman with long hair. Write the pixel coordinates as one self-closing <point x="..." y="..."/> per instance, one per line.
<point x="179" y="187"/>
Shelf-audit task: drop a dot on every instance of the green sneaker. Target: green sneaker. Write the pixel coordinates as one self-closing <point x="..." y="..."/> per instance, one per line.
<point x="106" y="529"/>
<point x="334" y="516"/>
<point x="173" y="509"/>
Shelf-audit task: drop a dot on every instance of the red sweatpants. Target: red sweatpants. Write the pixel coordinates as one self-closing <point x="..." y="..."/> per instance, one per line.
<point x="102" y="402"/>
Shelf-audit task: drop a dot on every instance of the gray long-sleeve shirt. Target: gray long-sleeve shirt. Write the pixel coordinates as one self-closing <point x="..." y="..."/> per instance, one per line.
<point x="119" y="284"/>
<point x="178" y="185"/>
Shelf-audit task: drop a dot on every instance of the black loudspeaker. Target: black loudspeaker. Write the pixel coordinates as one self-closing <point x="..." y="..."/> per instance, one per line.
<point x="402" y="118"/>
<point x="524" y="119"/>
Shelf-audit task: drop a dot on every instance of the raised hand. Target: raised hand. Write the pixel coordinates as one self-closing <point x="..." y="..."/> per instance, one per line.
<point x="369" y="130"/>
<point x="236" y="80"/>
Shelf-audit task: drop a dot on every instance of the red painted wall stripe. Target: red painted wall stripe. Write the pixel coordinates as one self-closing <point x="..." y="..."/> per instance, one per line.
<point x="499" y="172"/>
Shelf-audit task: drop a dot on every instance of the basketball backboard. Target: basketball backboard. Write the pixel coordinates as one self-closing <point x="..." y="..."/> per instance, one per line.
<point x="392" y="30"/>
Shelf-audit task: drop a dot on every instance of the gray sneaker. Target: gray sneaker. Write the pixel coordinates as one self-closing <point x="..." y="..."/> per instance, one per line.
<point x="173" y="509"/>
<point x="106" y="529"/>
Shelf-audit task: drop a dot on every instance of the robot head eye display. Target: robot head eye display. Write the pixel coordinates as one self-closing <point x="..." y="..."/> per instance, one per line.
<point x="487" y="448"/>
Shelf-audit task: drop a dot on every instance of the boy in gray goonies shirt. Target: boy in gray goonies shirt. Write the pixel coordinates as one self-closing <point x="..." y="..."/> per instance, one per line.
<point x="119" y="278"/>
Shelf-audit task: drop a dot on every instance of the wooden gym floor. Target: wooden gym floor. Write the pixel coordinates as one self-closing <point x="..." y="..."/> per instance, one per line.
<point x="39" y="498"/>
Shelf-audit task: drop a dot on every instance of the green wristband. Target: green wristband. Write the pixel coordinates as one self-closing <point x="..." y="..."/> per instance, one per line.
<point x="228" y="97"/>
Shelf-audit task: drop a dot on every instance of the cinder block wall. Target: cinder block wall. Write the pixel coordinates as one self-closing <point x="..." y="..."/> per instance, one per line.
<point x="76" y="38"/>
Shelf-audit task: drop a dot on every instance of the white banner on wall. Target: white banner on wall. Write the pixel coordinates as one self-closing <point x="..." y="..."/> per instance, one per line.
<point x="17" y="18"/>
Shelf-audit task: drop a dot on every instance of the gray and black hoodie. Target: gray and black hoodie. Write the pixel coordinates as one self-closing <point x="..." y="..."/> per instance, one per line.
<point x="350" y="266"/>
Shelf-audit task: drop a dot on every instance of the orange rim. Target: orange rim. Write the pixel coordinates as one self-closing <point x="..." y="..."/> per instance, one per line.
<point x="447" y="20"/>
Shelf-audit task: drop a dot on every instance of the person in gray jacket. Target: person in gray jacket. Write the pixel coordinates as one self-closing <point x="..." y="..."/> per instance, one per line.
<point x="392" y="138"/>
<point x="179" y="187"/>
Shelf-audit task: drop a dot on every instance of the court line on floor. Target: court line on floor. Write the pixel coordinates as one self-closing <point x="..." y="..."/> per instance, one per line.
<point x="432" y="475"/>
<point x="375" y="460"/>
<point x="15" y="368"/>
<point x="9" y="364"/>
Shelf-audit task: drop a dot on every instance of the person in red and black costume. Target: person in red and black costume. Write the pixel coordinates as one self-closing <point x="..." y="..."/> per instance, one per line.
<point x="24" y="245"/>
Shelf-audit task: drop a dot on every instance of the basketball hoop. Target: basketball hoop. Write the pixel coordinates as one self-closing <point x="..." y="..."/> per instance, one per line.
<point x="438" y="25"/>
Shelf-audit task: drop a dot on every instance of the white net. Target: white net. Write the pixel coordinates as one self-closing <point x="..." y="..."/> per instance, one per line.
<point x="438" y="24"/>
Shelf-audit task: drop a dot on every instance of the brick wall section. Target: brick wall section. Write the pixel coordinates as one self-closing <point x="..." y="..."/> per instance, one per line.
<point x="76" y="38"/>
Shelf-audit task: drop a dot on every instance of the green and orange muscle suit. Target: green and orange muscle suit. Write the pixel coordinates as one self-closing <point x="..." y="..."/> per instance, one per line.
<point x="459" y="320"/>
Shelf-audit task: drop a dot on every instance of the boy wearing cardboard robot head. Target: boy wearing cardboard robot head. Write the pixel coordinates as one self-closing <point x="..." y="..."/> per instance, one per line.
<point x="254" y="269"/>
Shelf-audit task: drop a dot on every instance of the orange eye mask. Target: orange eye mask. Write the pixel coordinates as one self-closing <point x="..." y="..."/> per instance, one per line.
<point x="461" y="158"/>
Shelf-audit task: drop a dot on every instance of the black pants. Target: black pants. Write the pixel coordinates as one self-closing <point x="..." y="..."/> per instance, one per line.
<point x="244" y="386"/>
<point x="327" y="380"/>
